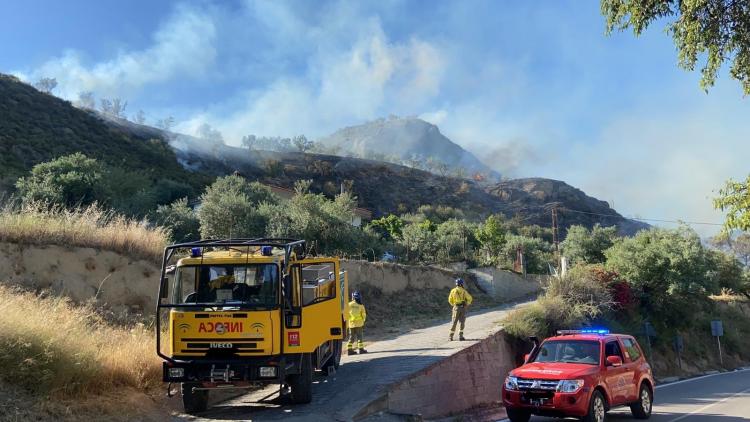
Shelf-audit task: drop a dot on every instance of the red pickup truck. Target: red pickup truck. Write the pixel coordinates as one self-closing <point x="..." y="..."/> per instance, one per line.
<point x="580" y="373"/>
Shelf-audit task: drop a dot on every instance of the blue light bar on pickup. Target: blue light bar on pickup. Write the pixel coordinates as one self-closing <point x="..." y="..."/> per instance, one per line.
<point x="600" y="331"/>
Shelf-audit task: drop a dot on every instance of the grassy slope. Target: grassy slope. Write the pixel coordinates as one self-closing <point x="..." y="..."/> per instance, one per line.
<point x="65" y="362"/>
<point x="86" y="227"/>
<point x="36" y="127"/>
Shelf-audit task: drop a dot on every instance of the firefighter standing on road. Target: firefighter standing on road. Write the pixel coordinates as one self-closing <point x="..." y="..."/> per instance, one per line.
<point x="357" y="317"/>
<point x="459" y="299"/>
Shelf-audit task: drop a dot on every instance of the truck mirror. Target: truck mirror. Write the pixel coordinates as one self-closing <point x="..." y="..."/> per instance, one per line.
<point x="614" y="361"/>
<point x="164" y="288"/>
<point x="526" y="357"/>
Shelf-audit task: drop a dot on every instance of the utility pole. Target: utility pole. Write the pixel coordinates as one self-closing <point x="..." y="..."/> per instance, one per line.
<point x="555" y="237"/>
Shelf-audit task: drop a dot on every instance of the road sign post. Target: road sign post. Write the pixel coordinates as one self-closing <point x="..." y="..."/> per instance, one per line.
<point x="678" y="347"/>
<point x="717" y="330"/>
<point x="648" y="331"/>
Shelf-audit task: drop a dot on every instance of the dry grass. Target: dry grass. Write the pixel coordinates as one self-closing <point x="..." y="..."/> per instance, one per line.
<point x="51" y="348"/>
<point x="89" y="227"/>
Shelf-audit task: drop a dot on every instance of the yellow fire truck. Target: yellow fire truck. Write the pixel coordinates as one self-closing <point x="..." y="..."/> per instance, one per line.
<point x="240" y="313"/>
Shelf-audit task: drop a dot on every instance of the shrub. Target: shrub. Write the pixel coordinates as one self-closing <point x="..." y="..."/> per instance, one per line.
<point x="69" y="181"/>
<point x="179" y="219"/>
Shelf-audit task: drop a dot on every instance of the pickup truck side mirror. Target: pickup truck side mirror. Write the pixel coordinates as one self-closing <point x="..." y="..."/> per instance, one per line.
<point x="614" y="361"/>
<point x="526" y="357"/>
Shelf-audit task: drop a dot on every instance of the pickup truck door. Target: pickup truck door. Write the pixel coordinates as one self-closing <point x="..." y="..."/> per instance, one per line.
<point x="615" y="377"/>
<point x="633" y="365"/>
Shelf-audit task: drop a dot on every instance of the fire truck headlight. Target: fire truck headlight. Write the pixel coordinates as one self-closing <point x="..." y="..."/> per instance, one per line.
<point x="176" y="372"/>
<point x="267" y="372"/>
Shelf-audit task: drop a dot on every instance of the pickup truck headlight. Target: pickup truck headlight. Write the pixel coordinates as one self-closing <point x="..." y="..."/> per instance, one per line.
<point x="569" y="386"/>
<point x="511" y="383"/>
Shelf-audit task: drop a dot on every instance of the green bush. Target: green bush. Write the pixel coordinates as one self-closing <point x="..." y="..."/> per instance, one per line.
<point x="179" y="219"/>
<point x="230" y="207"/>
<point x="70" y="181"/>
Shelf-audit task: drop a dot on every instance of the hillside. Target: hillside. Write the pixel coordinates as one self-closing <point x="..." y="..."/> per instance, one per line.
<point x="390" y="188"/>
<point x="36" y="127"/>
<point x="405" y="138"/>
<point x="153" y="167"/>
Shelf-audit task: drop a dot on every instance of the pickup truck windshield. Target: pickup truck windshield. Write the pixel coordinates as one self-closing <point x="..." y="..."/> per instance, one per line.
<point x="570" y="351"/>
<point x="251" y="285"/>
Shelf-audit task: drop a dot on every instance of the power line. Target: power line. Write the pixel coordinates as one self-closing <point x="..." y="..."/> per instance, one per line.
<point x="644" y="219"/>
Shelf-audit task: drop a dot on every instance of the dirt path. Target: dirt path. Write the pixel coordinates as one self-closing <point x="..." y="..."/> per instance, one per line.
<point x="361" y="378"/>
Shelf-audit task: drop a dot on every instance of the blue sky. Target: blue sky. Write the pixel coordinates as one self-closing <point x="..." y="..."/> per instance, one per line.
<point x="533" y="89"/>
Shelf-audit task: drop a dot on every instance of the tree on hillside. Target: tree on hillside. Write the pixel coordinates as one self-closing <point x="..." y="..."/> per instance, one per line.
<point x="230" y="208"/>
<point x="738" y="246"/>
<point x="491" y="237"/>
<point x="454" y="239"/>
<point x="584" y="246"/>
<point x="668" y="269"/>
<point x="326" y="223"/>
<point x="140" y="117"/>
<point x="302" y="143"/>
<point x="734" y="199"/>
<point x="181" y="221"/>
<point x="205" y="131"/>
<point x="70" y="181"/>
<point x="46" y="85"/>
<point x="114" y="107"/>
<point x="166" y="123"/>
<point x="718" y="30"/>
<point x="86" y="100"/>
<point x="389" y="227"/>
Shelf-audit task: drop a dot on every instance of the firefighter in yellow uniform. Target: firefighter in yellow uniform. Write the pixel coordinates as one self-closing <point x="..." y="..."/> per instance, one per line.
<point x="357" y="317"/>
<point x="459" y="299"/>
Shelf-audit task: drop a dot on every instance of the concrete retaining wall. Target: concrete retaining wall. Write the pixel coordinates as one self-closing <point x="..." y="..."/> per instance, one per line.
<point x="507" y="284"/>
<point x="391" y="278"/>
<point x="469" y="378"/>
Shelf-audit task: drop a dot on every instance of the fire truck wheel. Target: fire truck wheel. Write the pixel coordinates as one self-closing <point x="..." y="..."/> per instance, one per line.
<point x="518" y="415"/>
<point x="193" y="401"/>
<point x="301" y="384"/>
<point x="335" y="360"/>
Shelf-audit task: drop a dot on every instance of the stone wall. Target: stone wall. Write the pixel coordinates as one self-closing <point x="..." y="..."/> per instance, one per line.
<point x="469" y="378"/>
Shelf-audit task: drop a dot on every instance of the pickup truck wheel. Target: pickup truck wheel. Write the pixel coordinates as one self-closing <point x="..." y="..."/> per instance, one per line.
<point x="301" y="384"/>
<point x="193" y="401"/>
<point x="518" y="415"/>
<point x="642" y="408"/>
<point x="597" y="408"/>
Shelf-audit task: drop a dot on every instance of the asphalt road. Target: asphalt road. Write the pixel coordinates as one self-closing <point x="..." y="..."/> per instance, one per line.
<point x="722" y="397"/>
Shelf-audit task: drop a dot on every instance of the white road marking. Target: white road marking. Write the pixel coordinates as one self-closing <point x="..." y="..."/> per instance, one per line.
<point x="708" y="406"/>
<point x="700" y="378"/>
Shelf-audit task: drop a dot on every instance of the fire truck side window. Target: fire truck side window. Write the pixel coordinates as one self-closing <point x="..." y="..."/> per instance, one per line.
<point x="318" y="283"/>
